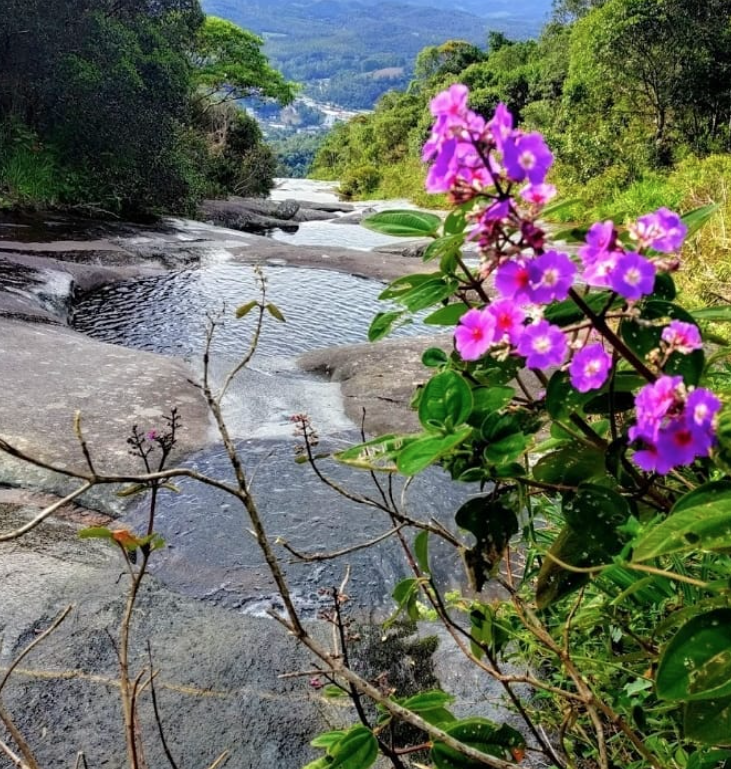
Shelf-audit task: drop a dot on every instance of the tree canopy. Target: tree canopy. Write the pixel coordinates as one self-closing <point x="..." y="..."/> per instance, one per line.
<point x="101" y="102"/>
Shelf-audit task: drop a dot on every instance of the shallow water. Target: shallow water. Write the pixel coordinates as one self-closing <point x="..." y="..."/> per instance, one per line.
<point x="210" y="554"/>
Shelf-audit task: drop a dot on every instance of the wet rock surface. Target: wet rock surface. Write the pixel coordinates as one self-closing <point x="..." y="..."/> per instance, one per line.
<point x="379" y="378"/>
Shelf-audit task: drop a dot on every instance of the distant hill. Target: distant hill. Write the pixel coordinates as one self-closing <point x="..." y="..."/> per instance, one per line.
<point x="349" y="52"/>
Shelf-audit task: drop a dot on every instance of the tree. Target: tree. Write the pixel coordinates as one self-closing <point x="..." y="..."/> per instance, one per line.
<point x="662" y="61"/>
<point x="230" y="65"/>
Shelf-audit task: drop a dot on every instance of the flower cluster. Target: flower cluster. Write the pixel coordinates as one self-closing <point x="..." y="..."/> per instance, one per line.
<point x="674" y="426"/>
<point x="501" y="171"/>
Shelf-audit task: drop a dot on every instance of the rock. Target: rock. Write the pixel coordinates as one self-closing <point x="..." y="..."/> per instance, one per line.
<point x="312" y="215"/>
<point x="330" y="208"/>
<point x="356" y="217"/>
<point x="286" y="209"/>
<point x="49" y="372"/>
<point x="411" y="249"/>
<point x="218" y="687"/>
<point x="380" y="378"/>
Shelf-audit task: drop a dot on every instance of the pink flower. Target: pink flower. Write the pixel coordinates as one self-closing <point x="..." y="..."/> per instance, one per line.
<point x="682" y="337"/>
<point x="543" y="345"/>
<point x="512" y="280"/>
<point x="538" y="194"/>
<point x="589" y="368"/>
<point x="474" y="334"/>
<point x="508" y="318"/>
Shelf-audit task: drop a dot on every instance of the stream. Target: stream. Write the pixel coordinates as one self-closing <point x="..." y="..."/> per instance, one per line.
<point x="210" y="554"/>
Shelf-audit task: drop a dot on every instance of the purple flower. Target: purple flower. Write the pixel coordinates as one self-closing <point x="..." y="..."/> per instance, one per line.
<point x="654" y="402"/>
<point x="673" y="429"/>
<point x="509" y="318"/>
<point x="633" y="276"/>
<point x="474" y="334"/>
<point x="701" y="408"/>
<point x="526" y="156"/>
<point x="599" y="255"/>
<point x="538" y="194"/>
<point x="543" y="345"/>
<point x="682" y="337"/>
<point x="551" y="275"/>
<point x="600" y="239"/>
<point x="590" y="367"/>
<point x="501" y="125"/>
<point x="664" y="231"/>
<point x="451" y="103"/>
<point x="512" y="280"/>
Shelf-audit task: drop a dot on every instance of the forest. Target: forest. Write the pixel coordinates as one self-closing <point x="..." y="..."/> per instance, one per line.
<point x="128" y="107"/>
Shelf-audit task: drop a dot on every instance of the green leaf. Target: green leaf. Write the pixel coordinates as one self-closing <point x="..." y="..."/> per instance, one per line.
<point x="567" y="312"/>
<point x="427" y="293"/>
<point x="275" y="312"/>
<point x="643" y="338"/>
<point x="358" y="749"/>
<point x="333" y="692"/>
<point x="696" y="664"/>
<point x="319" y="763"/>
<point x="570" y="465"/>
<point x="720" y="314"/>
<point x="492" y="522"/>
<point x="422" y="452"/>
<point x="130" y="491"/>
<point x="562" y="398"/>
<point x="590" y="538"/>
<point x="446" y="246"/>
<point x="429" y="700"/>
<point x="446" y="401"/>
<point x="434" y="357"/>
<point x="245" y="309"/>
<point x="709" y="759"/>
<point x="695" y="219"/>
<point x="488" y="400"/>
<point x="403" y="223"/>
<point x="405" y="594"/>
<point x="95" y="532"/>
<point x="702" y="526"/>
<point x="481" y="735"/>
<point x="378" y="453"/>
<point x="404" y="284"/>
<point x="447" y="316"/>
<point x="382" y="324"/>
<point x="571" y="235"/>
<point x="507" y="449"/>
<point x="326" y="739"/>
<point x="664" y="287"/>
<point x="421" y="551"/>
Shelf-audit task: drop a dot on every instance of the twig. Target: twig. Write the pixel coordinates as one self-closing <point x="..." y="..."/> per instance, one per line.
<point x="156" y="711"/>
<point x="16" y="759"/>
<point x="45" y="513"/>
<point x="38" y="640"/>
<point x="220" y="761"/>
<point x="337" y="553"/>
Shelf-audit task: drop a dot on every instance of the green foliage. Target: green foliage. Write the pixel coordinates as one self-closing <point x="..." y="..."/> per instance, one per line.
<point x="229" y="64"/>
<point x="96" y="110"/>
